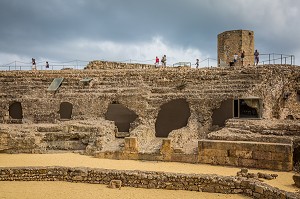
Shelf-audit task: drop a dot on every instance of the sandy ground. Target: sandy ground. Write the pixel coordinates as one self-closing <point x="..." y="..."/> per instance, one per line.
<point x="284" y="180"/>
<point x="61" y="190"/>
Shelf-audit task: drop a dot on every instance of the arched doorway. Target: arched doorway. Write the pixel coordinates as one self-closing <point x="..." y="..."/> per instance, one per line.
<point x="224" y="112"/>
<point x="172" y="115"/>
<point x="121" y="115"/>
<point x="15" y="110"/>
<point x="65" y="110"/>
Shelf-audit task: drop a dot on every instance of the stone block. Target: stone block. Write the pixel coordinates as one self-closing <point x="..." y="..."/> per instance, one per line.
<point x="246" y="162"/>
<point x="281" y="156"/>
<point x="268" y="147"/>
<point x="226" y="161"/>
<point x="244" y="146"/>
<point x="262" y="155"/>
<point x="122" y="134"/>
<point x="190" y="158"/>
<point x="240" y="154"/>
<point x="287" y="166"/>
<point x="232" y="161"/>
<point x="206" y="159"/>
<point x="269" y="164"/>
<point x="131" y="144"/>
<point x="166" y="146"/>
<point x="214" y="152"/>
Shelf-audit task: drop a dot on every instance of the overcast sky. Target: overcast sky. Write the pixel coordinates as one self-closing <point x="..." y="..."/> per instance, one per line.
<point x="120" y="30"/>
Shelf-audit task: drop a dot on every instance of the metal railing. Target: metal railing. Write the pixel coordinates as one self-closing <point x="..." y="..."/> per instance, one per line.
<point x="19" y="65"/>
<point x="180" y="64"/>
<point x="270" y="58"/>
<point x="209" y="62"/>
<point x="275" y="58"/>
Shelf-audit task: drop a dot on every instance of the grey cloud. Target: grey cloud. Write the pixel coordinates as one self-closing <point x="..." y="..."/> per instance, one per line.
<point x="31" y="25"/>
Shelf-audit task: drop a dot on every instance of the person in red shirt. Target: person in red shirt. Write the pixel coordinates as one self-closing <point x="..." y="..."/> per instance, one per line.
<point x="156" y="62"/>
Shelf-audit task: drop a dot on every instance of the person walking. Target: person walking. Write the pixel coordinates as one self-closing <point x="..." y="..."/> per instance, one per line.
<point x="197" y="63"/>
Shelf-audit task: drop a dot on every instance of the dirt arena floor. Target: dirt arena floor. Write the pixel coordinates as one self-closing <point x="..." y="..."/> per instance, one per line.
<point x="49" y="190"/>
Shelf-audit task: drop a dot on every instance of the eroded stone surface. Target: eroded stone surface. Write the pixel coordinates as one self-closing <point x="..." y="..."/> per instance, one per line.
<point x="144" y="90"/>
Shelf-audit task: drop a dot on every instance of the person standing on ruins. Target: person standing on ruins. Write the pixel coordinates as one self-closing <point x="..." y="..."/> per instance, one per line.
<point x="47" y="64"/>
<point x="256" y="57"/>
<point x="156" y="62"/>
<point x="33" y="64"/>
<point x="242" y="57"/>
<point x="235" y="57"/>
<point x="164" y="61"/>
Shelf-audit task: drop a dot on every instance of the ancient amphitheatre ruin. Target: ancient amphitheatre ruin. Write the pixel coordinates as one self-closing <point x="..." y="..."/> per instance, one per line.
<point x="241" y="116"/>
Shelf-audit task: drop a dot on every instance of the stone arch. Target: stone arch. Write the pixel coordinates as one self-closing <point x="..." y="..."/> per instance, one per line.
<point x="65" y="110"/>
<point x="172" y="115"/>
<point x="224" y="112"/>
<point x="15" y="110"/>
<point x="121" y="115"/>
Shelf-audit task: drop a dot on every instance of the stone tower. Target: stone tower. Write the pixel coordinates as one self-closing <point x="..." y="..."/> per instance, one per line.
<point x="235" y="41"/>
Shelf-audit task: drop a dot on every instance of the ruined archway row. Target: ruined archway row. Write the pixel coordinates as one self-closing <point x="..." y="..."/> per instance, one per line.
<point x="171" y="116"/>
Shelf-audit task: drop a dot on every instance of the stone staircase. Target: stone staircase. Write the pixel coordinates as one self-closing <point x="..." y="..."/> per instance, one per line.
<point x="152" y="86"/>
<point x="160" y="82"/>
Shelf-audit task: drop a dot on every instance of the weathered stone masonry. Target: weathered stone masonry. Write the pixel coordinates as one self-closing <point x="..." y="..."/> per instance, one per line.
<point x="149" y="180"/>
<point x="236" y="41"/>
<point x="273" y="90"/>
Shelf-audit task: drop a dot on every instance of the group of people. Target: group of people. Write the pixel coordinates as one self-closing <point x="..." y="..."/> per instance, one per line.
<point x="163" y="61"/>
<point x="34" y="64"/>
<point x="235" y="59"/>
<point x="242" y="56"/>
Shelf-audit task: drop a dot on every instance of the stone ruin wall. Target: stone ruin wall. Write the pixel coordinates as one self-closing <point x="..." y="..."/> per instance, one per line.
<point x="144" y="91"/>
<point x="235" y="41"/>
<point x="149" y="180"/>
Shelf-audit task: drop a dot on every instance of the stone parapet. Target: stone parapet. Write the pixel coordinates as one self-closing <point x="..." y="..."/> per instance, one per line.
<point x="149" y="180"/>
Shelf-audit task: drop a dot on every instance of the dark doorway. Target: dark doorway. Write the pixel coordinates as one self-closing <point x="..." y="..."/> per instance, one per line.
<point x="236" y="108"/>
<point x="296" y="158"/>
<point x="249" y="108"/>
<point x="221" y="114"/>
<point x="65" y="110"/>
<point x="172" y="115"/>
<point x="15" y="111"/>
<point x="121" y="115"/>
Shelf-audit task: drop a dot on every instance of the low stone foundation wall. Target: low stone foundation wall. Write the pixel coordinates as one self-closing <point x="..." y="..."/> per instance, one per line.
<point x="274" y="156"/>
<point x="149" y="179"/>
